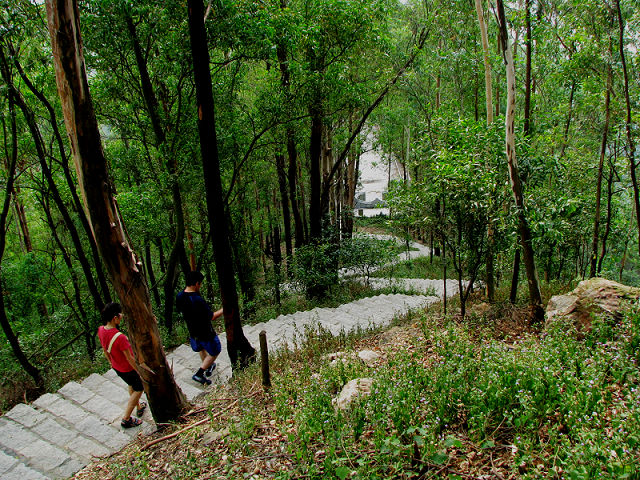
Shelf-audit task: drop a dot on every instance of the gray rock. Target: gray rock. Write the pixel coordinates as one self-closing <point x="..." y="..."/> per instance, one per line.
<point x="354" y="389"/>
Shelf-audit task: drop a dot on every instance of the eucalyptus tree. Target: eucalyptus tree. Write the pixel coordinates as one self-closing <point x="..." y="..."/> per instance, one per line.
<point x="535" y="298"/>
<point x="240" y="350"/>
<point x="165" y="398"/>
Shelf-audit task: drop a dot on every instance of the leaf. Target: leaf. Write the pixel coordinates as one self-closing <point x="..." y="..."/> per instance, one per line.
<point x="452" y="442"/>
<point x="439" y="458"/>
<point x="488" y="444"/>
<point x="342" y="472"/>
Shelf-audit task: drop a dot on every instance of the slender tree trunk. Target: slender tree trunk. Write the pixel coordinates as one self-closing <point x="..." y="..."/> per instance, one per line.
<point x="64" y="162"/>
<point x="284" y="196"/>
<point x="565" y="136"/>
<point x="607" y="229"/>
<point x="603" y="152"/>
<point x="6" y="205"/>
<point x="285" y="81"/>
<point x="489" y="109"/>
<point x="150" y="272"/>
<point x="315" y="148"/>
<point x="631" y="147"/>
<point x="240" y="350"/>
<point x="151" y="103"/>
<point x="53" y="188"/>
<point x="166" y="400"/>
<point x="89" y="336"/>
<point x="535" y="299"/>
<point x="350" y="183"/>
<point x="515" y="275"/>
<point x="527" y="74"/>
<point x="487" y="63"/>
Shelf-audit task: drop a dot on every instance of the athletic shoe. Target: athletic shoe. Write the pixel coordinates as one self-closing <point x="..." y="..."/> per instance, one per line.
<point x="201" y="379"/>
<point x="210" y="370"/>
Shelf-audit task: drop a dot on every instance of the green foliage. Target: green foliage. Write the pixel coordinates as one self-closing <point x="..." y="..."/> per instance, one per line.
<point x="421" y="267"/>
<point x="364" y="254"/>
<point x="30" y="285"/>
<point x="315" y="267"/>
<point x="576" y="400"/>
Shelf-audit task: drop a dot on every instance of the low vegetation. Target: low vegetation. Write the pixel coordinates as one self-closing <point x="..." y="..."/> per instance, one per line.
<point x="488" y="395"/>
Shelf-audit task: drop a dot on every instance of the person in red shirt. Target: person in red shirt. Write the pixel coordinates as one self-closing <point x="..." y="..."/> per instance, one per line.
<point x="118" y="351"/>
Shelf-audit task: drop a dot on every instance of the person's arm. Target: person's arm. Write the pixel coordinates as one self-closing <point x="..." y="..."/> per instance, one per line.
<point x="128" y="354"/>
<point x="216" y="314"/>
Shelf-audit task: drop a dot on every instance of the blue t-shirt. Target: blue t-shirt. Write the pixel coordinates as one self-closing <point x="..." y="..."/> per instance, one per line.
<point x="197" y="315"/>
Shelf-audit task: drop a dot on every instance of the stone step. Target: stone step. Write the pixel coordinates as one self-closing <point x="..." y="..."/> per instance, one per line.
<point x="103" y="387"/>
<point x="36" y="453"/>
<point x="43" y="424"/>
<point x="104" y="409"/>
<point x="12" y="468"/>
<point x="72" y="416"/>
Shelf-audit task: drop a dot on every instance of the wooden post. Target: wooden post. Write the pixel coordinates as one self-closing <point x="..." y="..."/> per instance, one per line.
<point x="264" y="356"/>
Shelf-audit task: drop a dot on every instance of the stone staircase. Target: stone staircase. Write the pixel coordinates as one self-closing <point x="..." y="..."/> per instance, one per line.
<point x="61" y="432"/>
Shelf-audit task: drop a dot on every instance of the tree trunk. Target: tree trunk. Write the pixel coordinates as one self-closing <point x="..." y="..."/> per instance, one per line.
<point x="240" y="350"/>
<point x="535" y="299"/>
<point x="4" y="320"/>
<point x="489" y="108"/>
<point x="89" y="337"/>
<point x="607" y="229"/>
<point x="151" y="103"/>
<point x="527" y="73"/>
<point x="150" y="272"/>
<point x="487" y="63"/>
<point x="285" y="81"/>
<point x="53" y="188"/>
<point x="603" y="152"/>
<point x="64" y="162"/>
<point x="166" y="400"/>
<point x="631" y="148"/>
<point x="350" y="183"/>
<point x="515" y="277"/>
<point x="284" y="196"/>
<point x="565" y="136"/>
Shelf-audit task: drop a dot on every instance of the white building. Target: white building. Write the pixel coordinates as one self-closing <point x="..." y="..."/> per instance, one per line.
<point x="373" y="183"/>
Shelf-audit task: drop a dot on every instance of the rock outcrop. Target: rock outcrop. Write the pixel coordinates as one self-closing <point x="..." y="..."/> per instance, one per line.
<point x="596" y="296"/>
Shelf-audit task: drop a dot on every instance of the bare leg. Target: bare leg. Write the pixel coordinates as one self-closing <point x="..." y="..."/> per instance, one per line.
<point x="134" y="398"/>
<point x="207" y="360"/>
<point x="131" y="393"/>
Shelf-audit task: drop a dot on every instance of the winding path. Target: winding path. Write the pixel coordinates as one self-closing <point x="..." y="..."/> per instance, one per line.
<point x="59" y="433"/>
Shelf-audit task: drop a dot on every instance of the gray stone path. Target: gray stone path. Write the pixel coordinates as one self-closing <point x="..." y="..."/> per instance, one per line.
<point x="59" y="433"/>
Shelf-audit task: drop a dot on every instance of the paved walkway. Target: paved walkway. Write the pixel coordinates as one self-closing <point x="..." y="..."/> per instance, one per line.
<point x="59" y="433"/>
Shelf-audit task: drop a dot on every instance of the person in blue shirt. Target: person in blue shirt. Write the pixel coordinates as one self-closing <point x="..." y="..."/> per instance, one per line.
<point x="198" y="317"/>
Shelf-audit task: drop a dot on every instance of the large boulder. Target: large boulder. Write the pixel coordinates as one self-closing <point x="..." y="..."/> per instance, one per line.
<point x="592" y="297"/>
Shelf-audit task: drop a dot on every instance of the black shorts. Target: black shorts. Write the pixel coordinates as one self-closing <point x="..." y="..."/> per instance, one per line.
<point x="132" y="379"/>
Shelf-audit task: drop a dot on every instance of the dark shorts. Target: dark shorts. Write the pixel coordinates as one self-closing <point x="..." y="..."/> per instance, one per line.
<point x="132" y="379"/>
<point x="212" y="346"/>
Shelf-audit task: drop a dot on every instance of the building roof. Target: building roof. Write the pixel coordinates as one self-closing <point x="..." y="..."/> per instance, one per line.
<point x="376" y="203"/>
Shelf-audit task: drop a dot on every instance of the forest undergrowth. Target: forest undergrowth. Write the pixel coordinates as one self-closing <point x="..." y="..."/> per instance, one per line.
<point x="488" y="396"/>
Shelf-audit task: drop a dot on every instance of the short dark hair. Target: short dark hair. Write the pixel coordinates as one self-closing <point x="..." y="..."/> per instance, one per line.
<point x="193" y="277"/>
<point x="109" y="311"/>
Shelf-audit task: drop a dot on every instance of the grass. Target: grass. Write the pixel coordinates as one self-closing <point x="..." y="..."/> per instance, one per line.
<point x="452" y="399"/>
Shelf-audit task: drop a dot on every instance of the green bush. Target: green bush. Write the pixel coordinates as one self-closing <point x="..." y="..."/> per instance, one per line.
<point x="558" y="403"/>
<point x="364" y="254"/>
